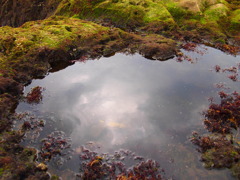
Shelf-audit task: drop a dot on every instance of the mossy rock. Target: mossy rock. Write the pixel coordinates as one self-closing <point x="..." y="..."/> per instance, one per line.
<point x="19" y="45"/>
<point x="28" y="50"/>
<point x="206" y="3"/>
<point x="216" y="12"/>
<point x="120" y="12"/>
<point x="177" y="12"/>
<point x="235" y="19"/>
<point x="133" y="12"/>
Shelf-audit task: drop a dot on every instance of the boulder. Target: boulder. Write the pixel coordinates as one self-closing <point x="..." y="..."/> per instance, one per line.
<point x="191" y="5"/>
<point x="235" y="19"/>
<point x="216" y="12"/>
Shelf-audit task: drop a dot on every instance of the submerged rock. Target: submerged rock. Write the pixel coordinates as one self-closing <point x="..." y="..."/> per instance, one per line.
<point x="42" y="167"/>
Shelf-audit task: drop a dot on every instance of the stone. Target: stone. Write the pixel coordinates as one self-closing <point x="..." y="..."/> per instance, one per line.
<point x="216" y="12"/>
<point x="42" y="167"/>
<point x="191" y="5"/>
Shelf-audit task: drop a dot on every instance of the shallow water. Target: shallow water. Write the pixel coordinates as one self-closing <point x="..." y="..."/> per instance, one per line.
<point x="129" y="102"/>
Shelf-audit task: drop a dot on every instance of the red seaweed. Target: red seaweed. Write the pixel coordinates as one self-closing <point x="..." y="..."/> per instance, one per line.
<point x="223" y="117"/>
<point x="106" y="166"/>
<point x="35" y="95"/>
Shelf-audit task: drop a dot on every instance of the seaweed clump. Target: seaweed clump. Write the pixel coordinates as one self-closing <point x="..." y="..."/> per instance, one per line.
<point x="17" y="162"/>
<point x="107" y="166"/>
<point x="221" y="149"/>
<point x="35" y="95"/>
<point x="223" y="117"/>
<point x="54" y="146"/>
<point x="218" y="151"/>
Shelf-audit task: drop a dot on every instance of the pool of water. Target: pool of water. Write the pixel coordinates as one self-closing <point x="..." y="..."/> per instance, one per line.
<point x="129" y="102"/>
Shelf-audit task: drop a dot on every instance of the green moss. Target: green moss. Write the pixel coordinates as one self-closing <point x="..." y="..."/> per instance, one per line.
<point x="176" y="11"/>
<point x="56" y="34"/>
<point x="235" y="20"/>
<point x="53" y="33"/>
<point x="121" y="12"/>
<point x="157" y="12"/>
<point x="135" y="11"/>
<point x="76" y="8"/>
<point x="216" y="12"/>
<point x="211" y="16"/>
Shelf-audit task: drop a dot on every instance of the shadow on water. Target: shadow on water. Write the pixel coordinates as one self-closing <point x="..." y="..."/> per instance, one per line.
<point x="127" y="102"/>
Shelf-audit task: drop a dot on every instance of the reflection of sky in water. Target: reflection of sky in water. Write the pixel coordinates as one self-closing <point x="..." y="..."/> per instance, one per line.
<point x="131" y="102"/>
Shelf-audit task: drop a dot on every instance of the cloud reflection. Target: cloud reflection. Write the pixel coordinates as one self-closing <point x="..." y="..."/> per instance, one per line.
<point x="127" y="99"/>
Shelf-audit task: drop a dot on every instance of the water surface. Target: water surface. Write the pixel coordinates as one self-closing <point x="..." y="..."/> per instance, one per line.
<point x="129" y="102"/>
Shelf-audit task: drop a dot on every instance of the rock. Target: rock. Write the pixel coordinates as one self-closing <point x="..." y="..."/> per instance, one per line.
<point x="216" y="12"/>
<point x="203" y="4"/>
<point x="10" y="86"/>
<point x="191" y="5"/>
<point x="235" y="19"/>
<point x="42" y="167"/>
<point x="198" y="5"/>
<point x="133" y="12"/>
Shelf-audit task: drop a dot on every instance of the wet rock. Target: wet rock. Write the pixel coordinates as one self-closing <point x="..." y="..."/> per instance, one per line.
<point x="8" y="85"/>
<point x="157" y="48"/>
<point x="42" y="167"/>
